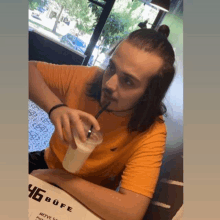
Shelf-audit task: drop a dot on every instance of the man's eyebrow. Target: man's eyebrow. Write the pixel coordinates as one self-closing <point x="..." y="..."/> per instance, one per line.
<point x="126" y="74"/>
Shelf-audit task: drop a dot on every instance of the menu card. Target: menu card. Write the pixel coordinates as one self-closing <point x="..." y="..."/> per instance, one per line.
<point x="52" y="203"/>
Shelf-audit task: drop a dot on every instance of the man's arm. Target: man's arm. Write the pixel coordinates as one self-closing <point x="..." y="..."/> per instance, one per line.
<point x="106" y="203"/>
<point x="50" y="92"/>
<point x="39" y="92"/>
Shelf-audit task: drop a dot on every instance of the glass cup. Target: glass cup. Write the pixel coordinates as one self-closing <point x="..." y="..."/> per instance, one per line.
<point x="75" y="158"/>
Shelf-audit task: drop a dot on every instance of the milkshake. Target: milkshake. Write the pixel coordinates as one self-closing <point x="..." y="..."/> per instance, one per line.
<point x="75" y="158"/>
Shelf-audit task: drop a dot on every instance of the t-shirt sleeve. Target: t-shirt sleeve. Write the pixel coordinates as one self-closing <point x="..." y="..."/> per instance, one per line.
<point x="143" y="167"/>
<point x="57" y="77"/>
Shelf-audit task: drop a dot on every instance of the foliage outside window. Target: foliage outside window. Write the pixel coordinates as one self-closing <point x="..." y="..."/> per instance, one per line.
<point x="57" y="18"/>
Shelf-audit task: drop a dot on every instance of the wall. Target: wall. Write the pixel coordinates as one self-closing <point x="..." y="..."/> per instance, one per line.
<point x="174" y="97"/>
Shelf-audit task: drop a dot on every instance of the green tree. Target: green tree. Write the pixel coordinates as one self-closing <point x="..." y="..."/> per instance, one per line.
<point x="122" y="20"/>
<point x="33" y="4"/>
<point x="79" y="10"/>
<point x="83" y="16"/>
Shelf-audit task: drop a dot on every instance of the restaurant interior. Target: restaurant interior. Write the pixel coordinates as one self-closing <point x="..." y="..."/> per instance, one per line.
<point x="167" y="203"/>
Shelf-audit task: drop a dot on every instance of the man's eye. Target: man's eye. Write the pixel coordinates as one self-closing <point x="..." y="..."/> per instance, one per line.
<point x="127" y="81"/>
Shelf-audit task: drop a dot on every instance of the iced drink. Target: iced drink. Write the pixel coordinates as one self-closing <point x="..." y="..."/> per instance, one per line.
<point x="75" y="158"/>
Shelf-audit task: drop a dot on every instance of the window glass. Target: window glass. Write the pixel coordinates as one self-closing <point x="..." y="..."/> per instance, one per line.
<point x="72" y="22"/>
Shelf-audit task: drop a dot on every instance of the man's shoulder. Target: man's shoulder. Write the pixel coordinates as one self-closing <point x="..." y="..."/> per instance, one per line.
<point x="65" y="66"/>
<point x="158" y="128"/>
<point x="90" y="70"/>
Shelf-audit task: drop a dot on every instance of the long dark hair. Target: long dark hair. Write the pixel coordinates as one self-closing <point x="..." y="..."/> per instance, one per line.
<point x="150" y="106"/>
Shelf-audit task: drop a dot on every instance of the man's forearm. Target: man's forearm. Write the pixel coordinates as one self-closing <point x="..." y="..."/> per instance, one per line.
<point x="106" y="203"/>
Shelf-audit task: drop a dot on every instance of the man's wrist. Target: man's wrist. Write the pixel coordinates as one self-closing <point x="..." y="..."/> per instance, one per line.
<point x="55" y="107"/>
<point x="50" y="105"/>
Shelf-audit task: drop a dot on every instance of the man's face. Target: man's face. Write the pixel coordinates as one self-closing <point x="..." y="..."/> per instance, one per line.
<point x="127" y="75"/>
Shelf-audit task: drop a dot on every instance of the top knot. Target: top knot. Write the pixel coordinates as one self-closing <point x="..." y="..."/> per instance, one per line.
<point x="164" y="29"/>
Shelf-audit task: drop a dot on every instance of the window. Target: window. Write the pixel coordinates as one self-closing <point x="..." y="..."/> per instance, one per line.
<point x="71" y="23"/>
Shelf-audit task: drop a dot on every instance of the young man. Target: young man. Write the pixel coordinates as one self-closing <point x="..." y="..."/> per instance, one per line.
<point x="135" y="82"/>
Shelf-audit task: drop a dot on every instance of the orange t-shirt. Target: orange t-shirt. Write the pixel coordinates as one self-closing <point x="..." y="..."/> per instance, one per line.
<point x="138" y="156"/>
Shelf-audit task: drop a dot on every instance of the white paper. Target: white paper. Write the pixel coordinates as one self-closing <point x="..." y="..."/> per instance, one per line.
<point x="49" y="202"/>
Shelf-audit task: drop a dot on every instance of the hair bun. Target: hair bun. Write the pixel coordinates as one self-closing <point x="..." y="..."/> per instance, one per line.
<point x="164" y="29"/>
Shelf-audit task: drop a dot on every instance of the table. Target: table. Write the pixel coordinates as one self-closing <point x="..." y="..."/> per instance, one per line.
<point x="50" y="202"/>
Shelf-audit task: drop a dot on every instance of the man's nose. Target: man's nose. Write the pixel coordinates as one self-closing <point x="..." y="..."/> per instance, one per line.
<point x="112" y="83"/>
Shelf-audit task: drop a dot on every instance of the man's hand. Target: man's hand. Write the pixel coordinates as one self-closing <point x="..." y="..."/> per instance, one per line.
<point x="66" y="119"/>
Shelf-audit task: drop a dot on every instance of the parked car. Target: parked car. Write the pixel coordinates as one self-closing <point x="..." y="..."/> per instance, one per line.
<point x="36" y="14"/>
<point x="76" y="44"/>
<point x="40" y="9"/>
<point x="69" y="40"/>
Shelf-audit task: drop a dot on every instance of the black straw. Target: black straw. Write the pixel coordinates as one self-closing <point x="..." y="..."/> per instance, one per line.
<point x="97" y="115"/>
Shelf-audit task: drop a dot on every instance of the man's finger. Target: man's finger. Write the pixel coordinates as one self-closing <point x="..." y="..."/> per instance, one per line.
<point x="91" y="119"/>
<point x="67" y="129"/>
<point x="78" y="126"/>
<point x="58" y="128"/>
<point x="80" y="130"/>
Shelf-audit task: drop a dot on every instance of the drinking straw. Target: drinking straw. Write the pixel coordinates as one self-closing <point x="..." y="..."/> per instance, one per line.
<point x="97" y="115"/>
